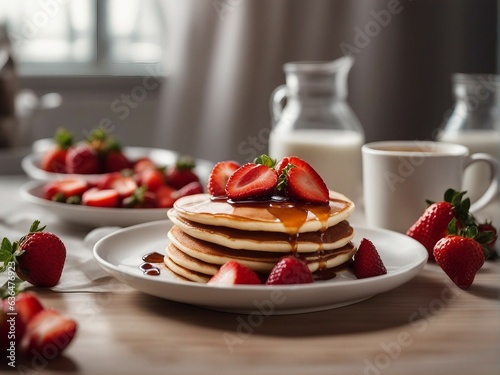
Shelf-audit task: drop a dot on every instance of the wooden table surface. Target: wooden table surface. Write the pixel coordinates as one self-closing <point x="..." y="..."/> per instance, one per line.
<point x="426" y="326"/>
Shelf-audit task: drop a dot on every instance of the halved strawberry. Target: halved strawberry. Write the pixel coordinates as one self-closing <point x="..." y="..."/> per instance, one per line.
<point x="67" y="188"/>
<point x="252" y="181"/>
<point x="218" y="177"/>
<point x="48" y="332"/>
<point x="143" y="164"/>
<point x="303" y="183"/>
<point x="367" y="261"/>
<point x="232" y="273"/>
<point x="125" y="186"/>
<point x="27" y="306"/>
<point x="290" y="270"/>
<point x="101" y="198"/>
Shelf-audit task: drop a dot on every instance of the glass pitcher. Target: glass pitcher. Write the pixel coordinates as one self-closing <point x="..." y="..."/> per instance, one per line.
<point x="317" y="124"/>
<point x="475" y="123"/>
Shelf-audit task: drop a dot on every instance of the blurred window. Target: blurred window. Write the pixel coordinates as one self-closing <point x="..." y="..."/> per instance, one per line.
<point x="84" y="36"/>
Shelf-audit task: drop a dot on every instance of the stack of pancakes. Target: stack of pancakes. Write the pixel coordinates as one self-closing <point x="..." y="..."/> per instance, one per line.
<point x="209" y="232"/>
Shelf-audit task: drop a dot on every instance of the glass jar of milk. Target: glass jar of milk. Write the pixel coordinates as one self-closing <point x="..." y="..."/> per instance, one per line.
<point x="317" y="124"/>
<point x="475" y="123"/>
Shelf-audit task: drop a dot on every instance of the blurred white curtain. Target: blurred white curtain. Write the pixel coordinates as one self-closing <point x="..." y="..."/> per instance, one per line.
<point x="225" y="57"/>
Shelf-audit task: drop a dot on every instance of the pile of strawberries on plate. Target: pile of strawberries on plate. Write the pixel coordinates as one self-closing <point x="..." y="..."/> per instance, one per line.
<point x="123" y="182"/>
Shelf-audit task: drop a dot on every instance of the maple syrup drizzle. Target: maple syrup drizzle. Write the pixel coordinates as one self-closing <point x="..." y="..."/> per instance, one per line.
<point x="148" y="267"/>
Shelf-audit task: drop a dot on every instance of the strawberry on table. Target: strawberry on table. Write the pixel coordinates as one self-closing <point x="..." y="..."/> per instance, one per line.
<point x="460" y="255"/>
<point x="218" y="177"/>
<point x="54" y="159"/>
<point x="487" y="227"/>
<point x="290" y="270"/>
<point x="367" y="261"/>
<point x="233" y="273"/>
<point x="27" y="306"/>
<point x="39" y="256"/>
<point x="433" y="224"/>
<point x="48" y="330"/>
<point x="182" y="172"/>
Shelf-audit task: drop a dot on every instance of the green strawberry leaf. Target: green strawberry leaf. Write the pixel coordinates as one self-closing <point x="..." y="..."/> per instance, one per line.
<point x="265" y="160"/>
<point x="12" y="288"/>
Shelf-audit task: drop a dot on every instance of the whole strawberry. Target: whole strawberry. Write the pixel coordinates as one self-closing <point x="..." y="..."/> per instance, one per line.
<point x="182" y="172"/>
<point x="486" y="228"/>
<point x="82" y="159"/>
<point x="39" y="256"/>
<point x="460" y="255"/>
<point x="433" y="224"/>
<point x="367" y="261"/>
<point x="54" y="159"/>
<point x="290" y="270"/>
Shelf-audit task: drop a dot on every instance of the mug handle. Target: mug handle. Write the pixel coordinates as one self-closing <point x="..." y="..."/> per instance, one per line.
<point x="492" y="190"/>
<point x="276" y="102"/>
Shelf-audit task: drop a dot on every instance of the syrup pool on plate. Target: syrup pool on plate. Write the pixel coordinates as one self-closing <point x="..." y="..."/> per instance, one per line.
<point x="334" y="154"/>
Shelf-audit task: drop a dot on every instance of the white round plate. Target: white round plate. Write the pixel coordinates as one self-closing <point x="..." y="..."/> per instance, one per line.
<point x="90" y="216"/>
<point x="161" y="157"/>
<point x="121" y="253"/>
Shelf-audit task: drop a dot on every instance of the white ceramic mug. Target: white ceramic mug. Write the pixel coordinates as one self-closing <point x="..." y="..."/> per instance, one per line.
<point x="399" y="176"/>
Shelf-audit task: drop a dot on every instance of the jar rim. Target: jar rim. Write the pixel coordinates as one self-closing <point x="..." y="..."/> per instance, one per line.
<point x="476" y="78"/>
<point x="311" y="66"/>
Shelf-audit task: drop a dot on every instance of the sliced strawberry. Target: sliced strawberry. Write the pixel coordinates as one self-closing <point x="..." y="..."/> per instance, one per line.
<point x="164" y="196"/>
<point x="27" y="306"/>
<point x="125" y="186"/>
<point x="303" y="183"/>
<point x="218" y="177"/>
<point x="367" y="261"/>
<point x="105" y="181"/>
<point x="232" y="273"/>
<point x="192" y="188"/>
<point x="67" y="188"/>
<point x="48" y="332"/>
<point x="152" y="179"/>
<point x="101" y="198"/>
<point x="141" y="198"/>
<point x="290" y="270"/>
<point x="143" y="164"/>
<point x="252" y="181"/>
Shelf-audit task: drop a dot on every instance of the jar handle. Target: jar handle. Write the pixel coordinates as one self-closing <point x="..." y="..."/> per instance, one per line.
<point x="277" y="97"/>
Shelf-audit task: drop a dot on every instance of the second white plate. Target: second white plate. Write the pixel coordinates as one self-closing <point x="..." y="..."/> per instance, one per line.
<point x="121" y="253"/>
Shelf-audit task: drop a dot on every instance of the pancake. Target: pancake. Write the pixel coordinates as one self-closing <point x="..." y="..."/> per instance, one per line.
<point x="271" y="216"/>
<point x="332" y="238"/>
<point x="182" y="272"/>
<point x="200" y="253"/>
